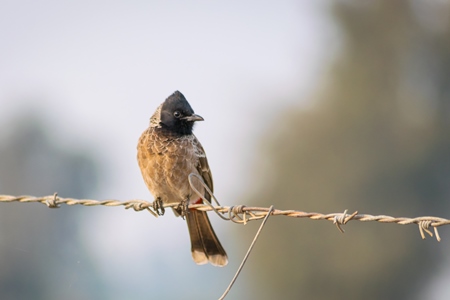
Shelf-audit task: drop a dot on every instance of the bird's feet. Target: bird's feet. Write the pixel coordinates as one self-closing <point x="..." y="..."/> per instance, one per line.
<point x="182" y="208"/>
<point x="158" y="207"/>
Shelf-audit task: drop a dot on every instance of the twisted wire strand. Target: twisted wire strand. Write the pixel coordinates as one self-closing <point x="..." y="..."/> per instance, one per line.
<point x="242" y="214"/>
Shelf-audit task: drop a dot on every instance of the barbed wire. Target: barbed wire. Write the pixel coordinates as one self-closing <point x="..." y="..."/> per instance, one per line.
<point x="241" y="214"/>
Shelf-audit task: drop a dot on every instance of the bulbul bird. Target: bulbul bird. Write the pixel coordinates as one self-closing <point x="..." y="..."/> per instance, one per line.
<point x="168" y="152"/>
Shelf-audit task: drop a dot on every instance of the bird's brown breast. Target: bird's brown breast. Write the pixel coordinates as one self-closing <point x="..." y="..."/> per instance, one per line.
<point x="166" y="161"/>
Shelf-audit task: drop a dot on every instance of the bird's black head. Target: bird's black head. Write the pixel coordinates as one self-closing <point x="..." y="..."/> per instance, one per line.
<point x="176" y="115"/>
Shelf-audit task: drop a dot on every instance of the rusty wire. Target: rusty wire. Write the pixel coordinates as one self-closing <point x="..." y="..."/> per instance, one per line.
<point x="242" y="214"/>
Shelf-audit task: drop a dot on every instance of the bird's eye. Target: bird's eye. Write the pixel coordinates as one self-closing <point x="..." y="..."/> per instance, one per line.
<point x="177" y="114"/>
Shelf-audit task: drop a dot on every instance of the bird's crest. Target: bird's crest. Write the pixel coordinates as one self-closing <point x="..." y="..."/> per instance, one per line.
<point x="156" y="118"/>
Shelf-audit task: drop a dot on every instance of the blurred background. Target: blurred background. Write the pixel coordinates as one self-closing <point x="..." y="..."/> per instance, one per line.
<point x="308" y="105"/>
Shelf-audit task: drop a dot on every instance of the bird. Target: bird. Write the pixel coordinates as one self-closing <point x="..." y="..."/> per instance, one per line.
<point x="167" y="153"/>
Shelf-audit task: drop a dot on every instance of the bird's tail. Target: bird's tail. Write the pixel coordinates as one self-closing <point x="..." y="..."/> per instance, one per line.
<point x="205" y="245"/>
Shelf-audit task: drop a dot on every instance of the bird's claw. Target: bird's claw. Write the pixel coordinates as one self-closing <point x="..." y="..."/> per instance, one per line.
<point x="182" y="208"/>
<point x="158" y="207"/>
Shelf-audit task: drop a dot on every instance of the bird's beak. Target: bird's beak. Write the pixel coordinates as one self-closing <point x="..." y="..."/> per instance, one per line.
<point x="193" y="118"/>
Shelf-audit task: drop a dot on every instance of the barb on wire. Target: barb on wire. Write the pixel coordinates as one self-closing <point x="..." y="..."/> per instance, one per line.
<point x="247" y="254"/>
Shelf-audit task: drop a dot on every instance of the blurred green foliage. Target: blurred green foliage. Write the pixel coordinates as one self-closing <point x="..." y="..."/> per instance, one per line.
<point x="376" y="140"/>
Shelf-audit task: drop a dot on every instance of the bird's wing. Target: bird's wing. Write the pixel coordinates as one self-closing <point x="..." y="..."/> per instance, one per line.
<point x="203" y="168"/>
